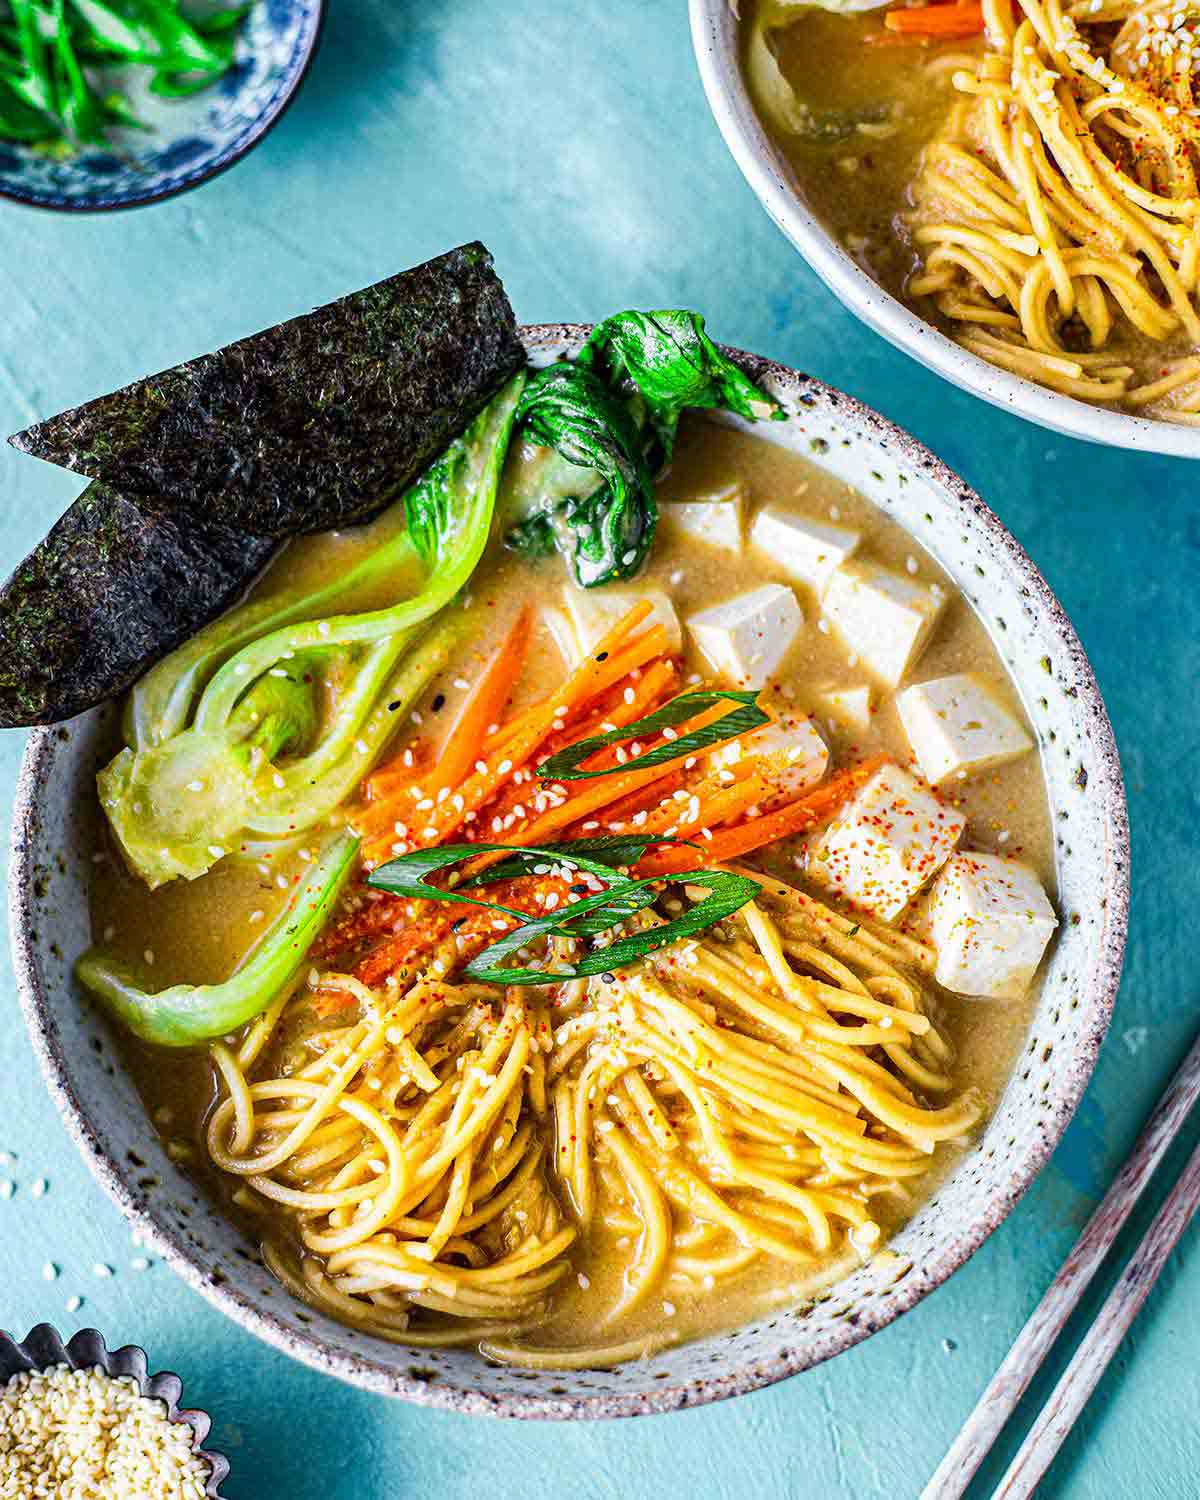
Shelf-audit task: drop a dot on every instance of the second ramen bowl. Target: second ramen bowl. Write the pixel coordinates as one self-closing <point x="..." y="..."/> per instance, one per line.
<point x="101" y="1108"/>
<point x="715" y="39"/>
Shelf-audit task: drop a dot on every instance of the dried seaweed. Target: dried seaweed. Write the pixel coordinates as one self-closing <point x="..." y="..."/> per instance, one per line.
<point x="203" y="469"/>
<point x="316" y="423"/>
<point x="117" y="582"/>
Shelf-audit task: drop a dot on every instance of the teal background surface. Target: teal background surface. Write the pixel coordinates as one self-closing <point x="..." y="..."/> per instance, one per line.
<point x="575" y="140"/>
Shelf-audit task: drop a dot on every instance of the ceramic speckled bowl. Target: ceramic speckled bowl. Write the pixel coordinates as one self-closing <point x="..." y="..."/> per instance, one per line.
<point x="190" y="139"/>
<point x="767" y="170"/>
<point x="53" y="836"/>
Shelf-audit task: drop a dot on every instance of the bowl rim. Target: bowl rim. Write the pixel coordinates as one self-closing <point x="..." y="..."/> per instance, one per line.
<point x="364" y="1371"/>
<point x="258" y="129"/>
<point x="714" y="41"/>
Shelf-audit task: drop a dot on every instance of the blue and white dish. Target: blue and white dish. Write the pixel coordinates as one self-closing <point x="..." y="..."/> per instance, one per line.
<point x="190" y="139"/>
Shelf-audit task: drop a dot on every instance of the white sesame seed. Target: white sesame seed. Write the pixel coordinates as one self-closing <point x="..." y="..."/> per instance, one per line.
<point x="39" y="1187"/>
<point x="49" y="1271"/>
<point x="101" y="1270"/>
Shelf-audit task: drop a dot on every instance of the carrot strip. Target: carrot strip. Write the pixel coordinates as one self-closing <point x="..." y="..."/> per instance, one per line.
<point x="959" y="19"/>
<point x="460" y="748"/>
<point x="594" y="795"/>
<point x="645" y="799"/>
<point x="799" y="816"/>
<point x="482" y="785"/>
<point x="584" y="682"/>
<point x="485" y="702"/>
<point x="394" y="776"/>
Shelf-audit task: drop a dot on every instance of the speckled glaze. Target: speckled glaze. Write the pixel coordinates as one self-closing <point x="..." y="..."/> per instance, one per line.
<point x="190" y="139"/>
<point x="769" y="173"/>
<point x="43" y="1348"/>
<point x="54" y="833"/>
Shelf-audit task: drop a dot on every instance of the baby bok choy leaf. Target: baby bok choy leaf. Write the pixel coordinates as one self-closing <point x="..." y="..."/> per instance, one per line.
<point x="268" y="719"/>
<point x="668" y="360"/>
<point x="186" y="1015"/>
<point x="610" y="420"/>
<point x="611" y="527"/>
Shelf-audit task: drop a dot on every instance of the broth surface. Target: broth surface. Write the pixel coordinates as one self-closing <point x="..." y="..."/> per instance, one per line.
<point x="200" y="931"/>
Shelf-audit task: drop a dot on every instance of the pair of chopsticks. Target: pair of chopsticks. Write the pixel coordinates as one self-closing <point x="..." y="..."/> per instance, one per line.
<point x="1070" y="1395"/>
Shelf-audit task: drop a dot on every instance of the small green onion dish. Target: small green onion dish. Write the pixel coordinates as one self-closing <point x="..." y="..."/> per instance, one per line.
<point x="88" y="122"/>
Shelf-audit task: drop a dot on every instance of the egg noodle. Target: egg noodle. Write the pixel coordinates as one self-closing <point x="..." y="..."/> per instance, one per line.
<point x="1058" y="212"/>
<point x="445" y="1152"/>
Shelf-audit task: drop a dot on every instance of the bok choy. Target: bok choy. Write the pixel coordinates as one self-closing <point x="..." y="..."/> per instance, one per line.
<point x="233" y="735"/>
<point x="187" y="1014"/>
<point x="611" y="418"/>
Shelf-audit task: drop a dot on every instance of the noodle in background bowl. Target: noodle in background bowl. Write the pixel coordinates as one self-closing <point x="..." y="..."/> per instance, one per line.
<point x="766" y="169"/>
<point x="54" y="834"/>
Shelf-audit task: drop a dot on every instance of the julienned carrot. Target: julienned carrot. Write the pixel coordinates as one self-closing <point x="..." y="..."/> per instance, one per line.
<point x="797" y="817"/>
<point x="957" y="19"/>
<point x="396" y="774"/>
<point x="612" y="657"/>
<point x="647" y="694"/>
<point x="481" y="707"/>
<point x="593" y="675"/>
<point x="484" y="704"/>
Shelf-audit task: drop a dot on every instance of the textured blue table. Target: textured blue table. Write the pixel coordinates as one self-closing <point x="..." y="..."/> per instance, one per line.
<point x="574" y="139"/>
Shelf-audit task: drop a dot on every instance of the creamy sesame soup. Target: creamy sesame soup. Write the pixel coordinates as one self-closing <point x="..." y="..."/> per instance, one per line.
<point x="1022" y="174"/>
<point x="579" y="1172"/>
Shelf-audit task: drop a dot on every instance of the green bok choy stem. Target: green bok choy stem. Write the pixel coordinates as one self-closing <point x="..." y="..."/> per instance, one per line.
<point x="227" y="738"/>
<point x="187" y="1014"/>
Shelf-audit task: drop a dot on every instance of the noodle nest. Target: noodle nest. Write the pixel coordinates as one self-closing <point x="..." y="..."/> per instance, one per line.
<point x="445" y="1156"/>
<point x="1057" y="214"/>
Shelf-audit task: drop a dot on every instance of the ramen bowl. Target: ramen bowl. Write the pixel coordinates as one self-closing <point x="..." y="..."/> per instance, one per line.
<point x="715" y="40"/>
<point x="49" y="906"/>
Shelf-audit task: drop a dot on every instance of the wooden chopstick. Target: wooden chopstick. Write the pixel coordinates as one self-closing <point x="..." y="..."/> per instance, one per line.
<point x="998" y="1402"/>
<point x="1091" y="1359"/>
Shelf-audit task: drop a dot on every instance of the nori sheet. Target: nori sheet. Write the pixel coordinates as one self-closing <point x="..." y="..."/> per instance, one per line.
<point x="203" y="469"/>
<point x="314" y="424"/>
<point x="118" y="582"/>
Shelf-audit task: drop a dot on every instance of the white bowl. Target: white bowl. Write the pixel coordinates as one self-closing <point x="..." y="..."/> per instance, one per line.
<point x="54" y="834"/>
<point x="767" y="170"/>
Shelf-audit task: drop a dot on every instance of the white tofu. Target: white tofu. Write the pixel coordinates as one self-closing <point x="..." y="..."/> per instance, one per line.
<point x="882" y="617"/>
<point x="849" y="708"/>
<point x="557" y="625"/>
<point x="957" y="728"/>
<point x="807" y="551"/>
<point x="594" y="612"/>
<point x="796" y="756"/>
<point x="893" y="836"/>
<point x="719" y="519"/>
<point x="991" y="922"/>
<point x="747" y="637"/>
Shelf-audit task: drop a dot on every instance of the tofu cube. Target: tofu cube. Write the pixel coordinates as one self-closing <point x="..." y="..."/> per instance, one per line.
<point x="891" y="838"/>
<point x="884" y="618"/>
<point x="848" y="708"/>
<point x="747" y="637"/>
<point x="957" y="728"/>
<point x="594" y="612"/>
<point x="795" y="754"/>
<point x="991" y="922"/>
<point x="718" y="519"/>
<point x="557" y="625"/>
<point x="807" y="551"/>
